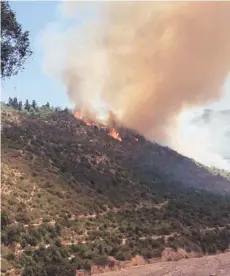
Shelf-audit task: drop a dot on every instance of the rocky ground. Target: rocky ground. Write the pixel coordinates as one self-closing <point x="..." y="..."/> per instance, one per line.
<point x="217" y="265"/>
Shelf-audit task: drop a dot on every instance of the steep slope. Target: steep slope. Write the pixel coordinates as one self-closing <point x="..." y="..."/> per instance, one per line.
<point x="72" y="195"/>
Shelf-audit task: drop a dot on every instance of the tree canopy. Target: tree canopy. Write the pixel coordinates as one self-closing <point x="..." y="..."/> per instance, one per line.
<point x="15" y="44"/>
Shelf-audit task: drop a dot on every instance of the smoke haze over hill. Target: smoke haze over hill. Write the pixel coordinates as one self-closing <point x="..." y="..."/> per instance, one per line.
<point x="205" y="136"/>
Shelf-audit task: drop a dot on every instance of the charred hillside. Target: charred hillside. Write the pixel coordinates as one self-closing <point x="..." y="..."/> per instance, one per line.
<point x="72" y="191"/>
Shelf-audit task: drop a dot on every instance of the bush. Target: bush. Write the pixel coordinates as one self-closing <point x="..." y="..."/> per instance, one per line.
<point x="31" y="240"/>
<point x="13" y="234"/>
<point x="58" y="243"/>
<point x="10" y="256"/>
<point x="123" y="255"/>
<point x="101" y="260"/>
<point x="147" y="253"/>
<point x="22" y="217"/>
<point x="5" y="265"/>
<point x="4" y="220"/>
<point x="87" y="266"/>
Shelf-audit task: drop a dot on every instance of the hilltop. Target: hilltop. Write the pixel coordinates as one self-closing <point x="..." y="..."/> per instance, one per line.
<point x="73" y="196"/>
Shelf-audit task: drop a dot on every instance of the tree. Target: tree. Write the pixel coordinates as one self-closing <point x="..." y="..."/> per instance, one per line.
<point x="15" y="45"/>
<point x="20" y="105"/>
<point x="10" y="101"/>
<point x="27" y="105"/>
<point x="34" y="104"/>
<point x="47" y="105"/>
<point x="66" y="110"/>
<point x="15" y="103"/>
<point x="57" y="109"/>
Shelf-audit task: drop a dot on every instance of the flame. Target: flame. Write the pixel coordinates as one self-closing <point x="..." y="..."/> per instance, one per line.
<point x="92" y="114"/>
<point x="101" y="120"/>
<point x="91" y="123"/>
<point x="113" y="133"/>
<point x="78" y="115"/>
<point x="136" y="139"/>
<point x="84" y="117"/>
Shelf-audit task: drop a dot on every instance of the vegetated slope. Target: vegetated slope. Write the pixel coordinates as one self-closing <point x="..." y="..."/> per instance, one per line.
<point x="72" y="196"/>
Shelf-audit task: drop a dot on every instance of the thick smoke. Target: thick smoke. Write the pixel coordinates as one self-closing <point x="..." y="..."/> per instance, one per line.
<point x="148" y="61"/>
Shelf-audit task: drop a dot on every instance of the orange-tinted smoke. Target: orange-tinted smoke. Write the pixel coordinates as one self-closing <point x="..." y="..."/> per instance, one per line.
<point x="149" y="60"/>
<point x="164" y="57"/>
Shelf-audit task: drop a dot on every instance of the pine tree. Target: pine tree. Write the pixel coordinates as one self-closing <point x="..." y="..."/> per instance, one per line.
<point x="15" y="103"/>
<point x="57" y="109"/>
<point x="34" y="104"/>
<point x="27" y="105"/>
<point x="20" y="105"/>
<point x="10" y="102"/>
<point x="66" y="110"/>
<point x="47" y="105"/>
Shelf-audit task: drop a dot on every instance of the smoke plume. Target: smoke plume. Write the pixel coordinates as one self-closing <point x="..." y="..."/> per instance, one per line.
<point x="147" y="61"/>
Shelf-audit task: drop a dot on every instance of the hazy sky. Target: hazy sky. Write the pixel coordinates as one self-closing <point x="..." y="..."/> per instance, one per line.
<point x="32" y="83"/>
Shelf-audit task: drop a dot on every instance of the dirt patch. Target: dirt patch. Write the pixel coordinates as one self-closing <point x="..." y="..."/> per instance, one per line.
<point x="174" y="255"/>
<point x="217" y="265"/>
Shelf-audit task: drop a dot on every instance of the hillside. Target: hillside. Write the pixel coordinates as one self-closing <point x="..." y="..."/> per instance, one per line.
<point x="72" y="195"/>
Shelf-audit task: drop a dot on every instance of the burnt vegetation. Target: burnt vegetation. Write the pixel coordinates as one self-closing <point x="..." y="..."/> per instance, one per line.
<point x="74" y="197"/>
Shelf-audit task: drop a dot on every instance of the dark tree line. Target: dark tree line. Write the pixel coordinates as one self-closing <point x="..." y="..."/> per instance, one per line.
<point x="33" y="106"/>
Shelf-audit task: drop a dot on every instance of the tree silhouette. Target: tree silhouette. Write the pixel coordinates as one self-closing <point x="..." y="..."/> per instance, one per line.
<point x="27" y="105"/>
<point x="34" y="104"/>
<point x="47" y="105"/>
<point x="20" y="106"/>
<point x="10" y="102"/>
<point x="15" y="103"/>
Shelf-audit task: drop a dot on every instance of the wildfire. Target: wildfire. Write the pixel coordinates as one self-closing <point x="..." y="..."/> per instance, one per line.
<point x="87" y="118"/>
<point x="113" y="133"/>
<point x="78" y="115"/>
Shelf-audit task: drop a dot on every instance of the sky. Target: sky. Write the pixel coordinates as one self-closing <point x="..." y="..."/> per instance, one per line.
<point x="32" y="82"/>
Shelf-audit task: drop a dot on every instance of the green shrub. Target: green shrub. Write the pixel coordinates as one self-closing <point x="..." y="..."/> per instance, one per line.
<point x="4" y="220"/>
<point x="10" y="256"/>
<point x="101" y="260"/>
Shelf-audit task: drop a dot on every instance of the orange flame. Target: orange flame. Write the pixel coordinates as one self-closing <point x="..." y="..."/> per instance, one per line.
<point x="78" y="115"/>
<point x="83" y="116"/>
<point x="90" y="123"/>
<point x="113" y="133"/>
